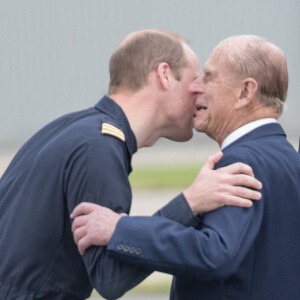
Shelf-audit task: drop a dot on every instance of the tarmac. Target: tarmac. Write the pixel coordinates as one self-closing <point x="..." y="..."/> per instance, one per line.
<point x="138" y="297"/>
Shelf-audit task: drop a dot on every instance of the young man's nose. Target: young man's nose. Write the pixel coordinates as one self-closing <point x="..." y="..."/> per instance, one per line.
<point x="196" y="86"/>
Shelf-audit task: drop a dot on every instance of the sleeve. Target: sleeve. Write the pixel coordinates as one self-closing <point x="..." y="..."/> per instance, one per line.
<point x="178" y="210"/>
<point x="213" y="251"/>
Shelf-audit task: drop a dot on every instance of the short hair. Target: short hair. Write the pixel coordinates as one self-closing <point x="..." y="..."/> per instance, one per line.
<point x="262" y="60"/>
<point x="140" y="53"/>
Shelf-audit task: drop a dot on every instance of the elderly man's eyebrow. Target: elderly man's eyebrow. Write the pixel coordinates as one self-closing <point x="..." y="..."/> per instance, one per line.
<point x="208" y="68"/>
<point x="207" y="72"/>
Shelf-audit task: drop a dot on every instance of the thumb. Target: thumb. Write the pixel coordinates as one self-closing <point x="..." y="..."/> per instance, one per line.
<point x="212" y="160"/>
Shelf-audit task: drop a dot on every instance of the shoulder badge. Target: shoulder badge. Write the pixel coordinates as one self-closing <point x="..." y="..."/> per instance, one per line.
<point x="112" y="130"/>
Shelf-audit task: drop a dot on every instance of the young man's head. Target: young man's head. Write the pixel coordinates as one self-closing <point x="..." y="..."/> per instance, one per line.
<point x="163" y="64"/>
<point x="139" y="54"/>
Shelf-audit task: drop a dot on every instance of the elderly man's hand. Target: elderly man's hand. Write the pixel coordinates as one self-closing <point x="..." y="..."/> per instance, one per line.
<point x="230" y="185"/>
<point x="93" y="225"/>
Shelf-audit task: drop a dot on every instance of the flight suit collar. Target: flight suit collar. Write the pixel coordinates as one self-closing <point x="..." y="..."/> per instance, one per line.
<point x="111" y="108"/>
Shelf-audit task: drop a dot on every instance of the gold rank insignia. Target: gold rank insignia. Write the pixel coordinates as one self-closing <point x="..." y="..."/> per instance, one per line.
<point x="112" y="130"/>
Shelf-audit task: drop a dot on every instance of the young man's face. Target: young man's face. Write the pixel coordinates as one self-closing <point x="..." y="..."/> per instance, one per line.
<point x="183" y="98"/>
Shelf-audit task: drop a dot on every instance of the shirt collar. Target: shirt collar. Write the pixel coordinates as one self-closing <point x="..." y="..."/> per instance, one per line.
<point x="238" y="133"/>
<point x="111" y="108"/>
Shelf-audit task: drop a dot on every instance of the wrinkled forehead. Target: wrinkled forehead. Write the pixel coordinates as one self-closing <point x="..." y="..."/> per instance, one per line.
<point x="228" y="48"/>
<point x="214" y="61"/>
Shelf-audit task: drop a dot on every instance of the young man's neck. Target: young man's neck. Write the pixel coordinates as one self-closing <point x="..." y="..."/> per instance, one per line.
<point x="141" y="111"/>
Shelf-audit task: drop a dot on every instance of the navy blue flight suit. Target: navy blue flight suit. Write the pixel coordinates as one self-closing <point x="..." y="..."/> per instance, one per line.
<point x="82" y="156"/>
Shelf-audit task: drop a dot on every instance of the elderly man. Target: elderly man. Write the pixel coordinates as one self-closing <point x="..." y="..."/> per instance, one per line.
<point x="86" y="156"/>
<point x="235" y="253"/>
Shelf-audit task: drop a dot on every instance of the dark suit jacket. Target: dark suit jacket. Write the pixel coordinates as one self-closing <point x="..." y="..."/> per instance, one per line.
<point x="237" y="253"/>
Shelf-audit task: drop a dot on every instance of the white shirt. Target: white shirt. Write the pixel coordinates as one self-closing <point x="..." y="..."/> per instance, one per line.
<point x="233" y="136"/>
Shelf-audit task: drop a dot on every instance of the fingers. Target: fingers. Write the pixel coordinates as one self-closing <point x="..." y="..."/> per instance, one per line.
<point x="212" y="160"/>
<point x="237" y="168"/>
<point x="245" y="180"/>
<point x="82" y="245"/>
<point x="83" y="209"/>
<point x="237" y="201"/>
<point x="79" y="222"/>
<point x="78" y="234"/>
<point x="245" y="193"/>
<point x="93" y="225"/>
<point x="240" y="196"/>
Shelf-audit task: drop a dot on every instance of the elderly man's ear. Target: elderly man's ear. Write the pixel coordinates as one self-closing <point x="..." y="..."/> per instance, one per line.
<point x="247" y="93"/>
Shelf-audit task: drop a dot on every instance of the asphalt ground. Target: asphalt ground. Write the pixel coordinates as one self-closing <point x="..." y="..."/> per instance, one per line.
<point x="138" y="297"/>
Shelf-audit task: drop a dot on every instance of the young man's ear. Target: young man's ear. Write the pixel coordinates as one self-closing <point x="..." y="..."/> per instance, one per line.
<point x="246" y="93"/>
<point x="163" y="73"/>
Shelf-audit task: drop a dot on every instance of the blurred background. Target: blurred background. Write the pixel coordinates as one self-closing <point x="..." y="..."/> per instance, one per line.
<point x="54" y="57"/>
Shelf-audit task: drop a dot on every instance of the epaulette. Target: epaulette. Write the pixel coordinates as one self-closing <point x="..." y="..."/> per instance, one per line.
<point x="112" y="130"/>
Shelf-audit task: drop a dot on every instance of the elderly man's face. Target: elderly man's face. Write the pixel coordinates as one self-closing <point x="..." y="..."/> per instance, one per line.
<point x="215" y="106"/>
